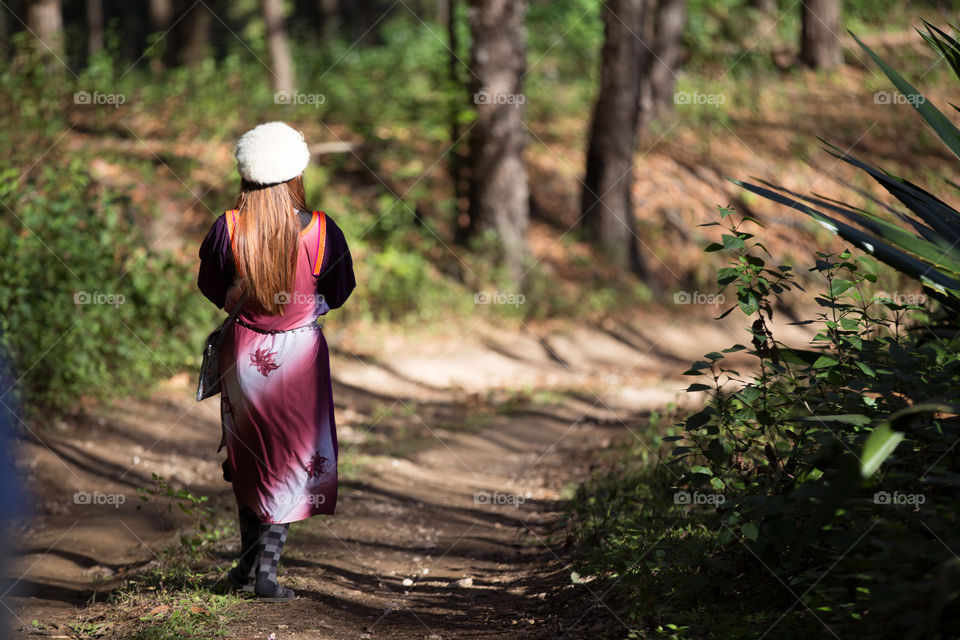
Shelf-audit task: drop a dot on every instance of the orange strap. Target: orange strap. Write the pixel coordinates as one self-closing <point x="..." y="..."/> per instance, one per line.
<point x="231" y="228"/>
<point x="231" y="221"/>
<point x="321" y="241"/>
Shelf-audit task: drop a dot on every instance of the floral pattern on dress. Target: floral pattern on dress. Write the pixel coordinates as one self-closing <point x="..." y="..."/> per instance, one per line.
<point x="315" y="466"/>
<point x="262" y="359"/>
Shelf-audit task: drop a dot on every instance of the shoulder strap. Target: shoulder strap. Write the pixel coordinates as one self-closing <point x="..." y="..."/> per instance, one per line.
<point x="236" y="310"/>
<point x="231" y="230"/>
<point x="232" y="221"/>
<point x="321" y="241"/>
<point x="231" y="217"/>
<point x="230" y="318"/>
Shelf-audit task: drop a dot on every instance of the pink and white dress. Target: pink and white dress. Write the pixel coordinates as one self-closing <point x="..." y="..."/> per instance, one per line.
<point x="277" y="400"/>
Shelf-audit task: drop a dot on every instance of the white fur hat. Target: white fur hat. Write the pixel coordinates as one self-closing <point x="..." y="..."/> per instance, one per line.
<point x="271" y="152"/>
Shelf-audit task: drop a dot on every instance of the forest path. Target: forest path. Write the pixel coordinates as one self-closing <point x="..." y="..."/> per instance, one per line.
<point x="457" y="541"/>
<point x="456" y="457"/>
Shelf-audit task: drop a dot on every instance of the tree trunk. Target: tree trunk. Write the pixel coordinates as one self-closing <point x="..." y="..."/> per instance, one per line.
<point x="282" y="75"/>
<point x="659" y="77"/>
<point x="454" y="159"/>
<point x="94" y="26"/>
<point x="190" y="42"/>
<point x="328" y="18"/>
<point x="764" y="20"/>
<point x="360" y="16"/>
<point x="4" y="33"/>
<point x="499" y="196"/>
<point x="161" y="13"/>
<point x="442" y="11"/>
<point x="606" y="202"/>
<point x="45" y="20"/>
<point x="820" y="46"/>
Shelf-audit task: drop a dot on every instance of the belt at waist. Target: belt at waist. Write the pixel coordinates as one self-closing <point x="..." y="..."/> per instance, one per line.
<point x="314" y="324"/>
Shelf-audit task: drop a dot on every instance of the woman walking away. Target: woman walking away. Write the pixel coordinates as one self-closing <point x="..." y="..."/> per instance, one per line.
<point x="286" y="266"/>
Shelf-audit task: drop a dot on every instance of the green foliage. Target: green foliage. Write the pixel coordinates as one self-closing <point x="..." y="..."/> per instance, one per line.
<point x="403" y="80"/>
<point x="825" y="468"/>
<point x="198" y="615"/>
<point x="735" y="37"/>
<point x="923" y="245"/>
<point x="33" y="118"/>
<point x="88" y="308"/>
<point x="403" y="268"/>
<point x="658" y="567"/>
<point x="403" y="284"/>
<point x="882" y="13"/>
<point x="718" y="33"/>
<point x="786" y="447"/>
<point x="203" y="532"/>
<point x="163" y="614"/>
<point x="180" y="594"/>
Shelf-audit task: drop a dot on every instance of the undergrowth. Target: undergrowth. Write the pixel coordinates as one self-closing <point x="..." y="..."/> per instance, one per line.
<point x="813" y="494"/>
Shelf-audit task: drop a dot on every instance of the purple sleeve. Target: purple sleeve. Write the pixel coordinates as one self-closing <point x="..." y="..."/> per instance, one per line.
<point x="216" y="263"/>
<point x="336" y="280"/>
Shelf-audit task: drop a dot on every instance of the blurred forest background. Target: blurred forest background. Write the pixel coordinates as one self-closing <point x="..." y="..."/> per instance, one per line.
<point x="548" y="162"/>
<point x="120" y="120"/>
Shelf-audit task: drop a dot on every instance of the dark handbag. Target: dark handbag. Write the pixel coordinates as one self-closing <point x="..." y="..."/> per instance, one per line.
<point x="209" y="383"/>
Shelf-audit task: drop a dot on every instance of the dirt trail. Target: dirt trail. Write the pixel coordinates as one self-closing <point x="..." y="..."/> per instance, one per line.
<point x="453" y="480"/>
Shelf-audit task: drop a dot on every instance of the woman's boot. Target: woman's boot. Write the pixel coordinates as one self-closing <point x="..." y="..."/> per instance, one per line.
<point x="272" y="538"/>
<point x="243" y="575"/>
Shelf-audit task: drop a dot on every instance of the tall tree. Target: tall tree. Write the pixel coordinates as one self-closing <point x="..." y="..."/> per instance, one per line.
<point x="642" y="49"/>
<point x="606" y="201"/>
<point x="281" y="62"/>
<point x="662" y="50"/>
<point x="4" y="35"/>
<point x="454" y="157"/>
<point x="45" y="20"/>
<point x="94" y="26"/>
<point x="766" y="6"/>
<point x="360" y="17"/>
<point x="820" y="46"/>
<point x="765" y="19"/>
<point x="442" y="11"/>
<point x="161" y="13"/>
<point x="189" y="41"/>
<point x="327" y="18"/>
<point x="499" y="194"/>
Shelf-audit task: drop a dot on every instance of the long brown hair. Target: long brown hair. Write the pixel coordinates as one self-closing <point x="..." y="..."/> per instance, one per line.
<point x="266" y="240"/>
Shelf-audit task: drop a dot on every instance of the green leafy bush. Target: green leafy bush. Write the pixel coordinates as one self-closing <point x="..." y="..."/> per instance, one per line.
<point x="88" y="309"/>
<point x="828" y="473"/>
<point x="401" y="83"/>
<point x="921" y="242"/>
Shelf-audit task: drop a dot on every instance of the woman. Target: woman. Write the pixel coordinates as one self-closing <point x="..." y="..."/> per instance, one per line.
<point x="285" y="266"/>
